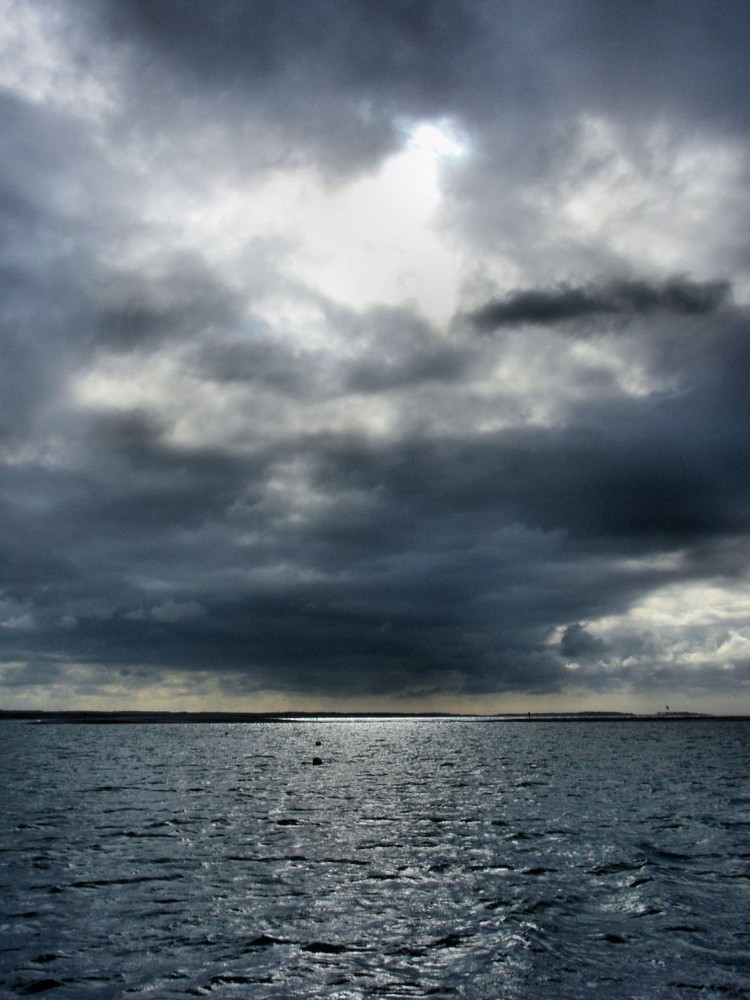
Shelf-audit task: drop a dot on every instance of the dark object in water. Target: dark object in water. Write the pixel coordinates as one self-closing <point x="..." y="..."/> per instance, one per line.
<point x="316" y="761"/>
<point x="324" y="947"/>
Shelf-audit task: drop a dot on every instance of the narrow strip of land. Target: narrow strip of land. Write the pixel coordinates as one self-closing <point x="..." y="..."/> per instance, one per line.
<point x="144" y="718"/>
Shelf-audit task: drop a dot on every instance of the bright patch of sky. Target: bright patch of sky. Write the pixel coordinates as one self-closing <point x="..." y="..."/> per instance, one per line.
<point x="377" y="240"/>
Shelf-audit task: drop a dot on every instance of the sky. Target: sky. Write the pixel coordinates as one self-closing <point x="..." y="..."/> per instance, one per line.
<point x="375" y="355"/>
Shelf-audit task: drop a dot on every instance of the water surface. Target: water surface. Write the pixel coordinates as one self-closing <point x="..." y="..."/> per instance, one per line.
<point x="422" y="858"/>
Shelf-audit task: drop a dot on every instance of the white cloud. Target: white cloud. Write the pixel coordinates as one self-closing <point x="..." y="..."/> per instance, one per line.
<point x="36" y="65"/>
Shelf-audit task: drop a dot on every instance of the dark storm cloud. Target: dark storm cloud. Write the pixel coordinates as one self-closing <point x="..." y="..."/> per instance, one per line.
<point x="436" y="364"/>
<point x="187" y="299"/>
<point x="42" y="256"/>
<point x="258" y="360"/>
<point x="685" y="57"/>
<point x="411" y="576"/>
<point x="389" y="348"/>
<point x="634" y="487"/>
<point x="335" y="77"/>
<point x="457" y="541"/>
<point x="432" y="563"/>
<point x="618" y="298"/>
<point x="399" y="349"/>
<point x="576" y="642"/>
<point x="220" y="42"/>
<point x="420" y="56"/>
<point x="145" y="490"/>
<point x="335" y="84"/>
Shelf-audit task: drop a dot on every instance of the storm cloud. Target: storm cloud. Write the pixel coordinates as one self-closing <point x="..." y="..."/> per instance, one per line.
<point x="374" y="354"/>
<point x="618" y="298"/>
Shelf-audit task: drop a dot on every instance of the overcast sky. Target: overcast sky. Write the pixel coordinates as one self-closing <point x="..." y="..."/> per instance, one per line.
<point x="375" y="354"/>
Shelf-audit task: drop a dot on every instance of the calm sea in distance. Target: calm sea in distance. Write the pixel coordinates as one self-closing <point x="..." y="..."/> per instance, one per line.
<point x="422" y="857"/>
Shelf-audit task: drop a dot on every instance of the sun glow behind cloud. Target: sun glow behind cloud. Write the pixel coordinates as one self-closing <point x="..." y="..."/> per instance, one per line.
<point x="365" y="242"/>
<point x="377" y="240"/>
<point x="372" y="239"/>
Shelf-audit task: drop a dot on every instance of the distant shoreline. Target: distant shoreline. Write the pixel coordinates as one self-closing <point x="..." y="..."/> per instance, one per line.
<point x="150" y="718"/>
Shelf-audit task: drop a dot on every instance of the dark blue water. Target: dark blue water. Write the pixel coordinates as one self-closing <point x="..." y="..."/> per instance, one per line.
<point x="422" y="858"/>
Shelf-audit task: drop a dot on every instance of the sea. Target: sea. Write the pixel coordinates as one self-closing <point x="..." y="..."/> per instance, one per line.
<point x="419" y="857"/>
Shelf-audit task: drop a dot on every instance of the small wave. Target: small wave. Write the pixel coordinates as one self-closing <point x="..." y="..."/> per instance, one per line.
<point x="143" y="835"/>
<point x="644" y="880"/>
<point x="265" y="859"/>
<point x="646" y="911"/>
<point x="447" y="941"/>
<point x="410" y="951"/>
<point x="659" y="852"/>
<point x="103" y="883"/>
<point x="266" y="941"/>
<point x="542" y="904"/>
<point x="615" y="867"/>
<point x="489" y="868"/>
<point x="324" y="948"/>
<point x="230" y="979"/>
<point x="708" y="988"/>
<point x="496" y="904"/>
<point x="612" y="938"/>
<point x="39" y="986"/>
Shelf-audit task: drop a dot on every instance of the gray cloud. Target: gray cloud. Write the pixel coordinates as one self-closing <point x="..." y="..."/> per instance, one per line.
<point x="618" y="298"/>
<point x="185" y="301"/>
<point x="576" y="642"/>
<point x="399" y="349"/>
<point x="210" y="466"/>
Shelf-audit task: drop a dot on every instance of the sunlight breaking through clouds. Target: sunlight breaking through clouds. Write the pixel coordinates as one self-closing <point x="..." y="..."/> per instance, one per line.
<point x="376" y="240"/>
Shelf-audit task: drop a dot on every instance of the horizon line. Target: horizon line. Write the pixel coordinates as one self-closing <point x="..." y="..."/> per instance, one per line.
<point x="177" y="716"/>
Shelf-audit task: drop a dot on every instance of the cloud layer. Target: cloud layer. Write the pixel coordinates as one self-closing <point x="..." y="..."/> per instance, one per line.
<point x="374" y="354"/>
